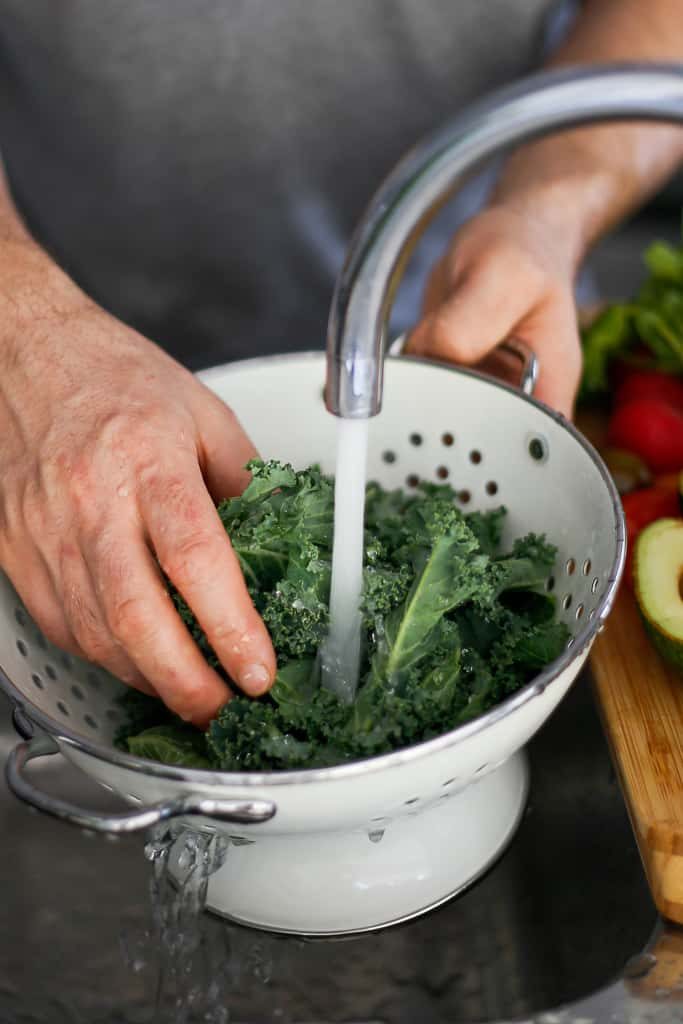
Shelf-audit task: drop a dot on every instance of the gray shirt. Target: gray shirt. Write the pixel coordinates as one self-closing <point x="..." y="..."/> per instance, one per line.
<point x="198" y="167"/>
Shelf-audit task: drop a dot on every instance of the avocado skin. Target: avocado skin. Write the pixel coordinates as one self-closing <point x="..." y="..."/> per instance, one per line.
<point x="669" y="649"/>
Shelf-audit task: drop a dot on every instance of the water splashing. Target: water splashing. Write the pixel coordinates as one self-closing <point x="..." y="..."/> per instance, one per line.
<point x="340" y="654"/>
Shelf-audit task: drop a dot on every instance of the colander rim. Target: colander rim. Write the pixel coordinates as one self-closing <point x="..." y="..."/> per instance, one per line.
<point x="463" y="732"/>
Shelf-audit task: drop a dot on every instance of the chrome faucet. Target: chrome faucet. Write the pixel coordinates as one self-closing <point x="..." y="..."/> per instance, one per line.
<point x="431" y="172"/>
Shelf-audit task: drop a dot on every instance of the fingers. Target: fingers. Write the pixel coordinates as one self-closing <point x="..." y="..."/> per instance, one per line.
<point x="142" y="619"/>
<point x="86" y="620"/>
<point x="552" y="332"/>
<point x="479" y="312"/>
<point x="32" y="581"/>
<point x="225" y="449"/>
<point x="195" y="553"/>
<point x="468" y="316"/>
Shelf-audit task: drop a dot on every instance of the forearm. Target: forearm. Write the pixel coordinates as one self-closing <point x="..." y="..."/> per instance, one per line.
<point x="584" y="181"/>
<point x="32" y="285"/>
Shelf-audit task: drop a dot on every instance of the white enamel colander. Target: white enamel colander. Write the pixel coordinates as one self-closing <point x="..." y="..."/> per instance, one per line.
<point x="370" y="843"/>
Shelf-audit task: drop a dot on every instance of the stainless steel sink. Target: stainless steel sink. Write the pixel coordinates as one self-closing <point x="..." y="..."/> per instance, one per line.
<point x="556" y="919"/>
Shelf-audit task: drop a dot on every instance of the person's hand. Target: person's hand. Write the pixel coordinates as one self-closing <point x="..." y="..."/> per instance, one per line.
<point x="110" y="453"/>
<point x="505" y="273"/>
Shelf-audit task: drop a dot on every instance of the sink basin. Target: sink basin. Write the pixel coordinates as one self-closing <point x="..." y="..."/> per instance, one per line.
<point x="553" y="921"/>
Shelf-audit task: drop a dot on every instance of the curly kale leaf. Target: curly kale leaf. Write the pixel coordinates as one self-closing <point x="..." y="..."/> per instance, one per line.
<point x="528" y="565"/>
<point x="449" y="571"/>
<point x="487" y="527"/>
<point x="140" y="712"/>
<point x="250" y="735"/>
<point x="451" y="627"/>
<point x="296" y="611"/>
<point x="174" y="744"/>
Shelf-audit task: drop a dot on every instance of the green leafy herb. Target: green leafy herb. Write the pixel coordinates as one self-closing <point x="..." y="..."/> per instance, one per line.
<point x="652" y="321"/>
<point x="452" y="624"/>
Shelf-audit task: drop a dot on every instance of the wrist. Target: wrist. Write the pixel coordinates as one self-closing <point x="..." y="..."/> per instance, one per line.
<point x="560" y="187"/>
<point x="33" y="291"/>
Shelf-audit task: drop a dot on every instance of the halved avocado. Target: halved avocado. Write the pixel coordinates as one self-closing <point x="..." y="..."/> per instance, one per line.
<point x="658" y="584"/>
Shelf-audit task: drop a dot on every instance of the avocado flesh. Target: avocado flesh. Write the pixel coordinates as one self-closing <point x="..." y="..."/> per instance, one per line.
<point x="658" y="579"/>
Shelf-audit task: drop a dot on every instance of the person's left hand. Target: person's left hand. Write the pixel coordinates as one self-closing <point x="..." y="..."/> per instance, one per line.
<point x="505" y="273"/>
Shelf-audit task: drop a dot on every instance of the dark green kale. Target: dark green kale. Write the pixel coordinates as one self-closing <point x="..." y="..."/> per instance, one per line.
<point x="452" y="625"/>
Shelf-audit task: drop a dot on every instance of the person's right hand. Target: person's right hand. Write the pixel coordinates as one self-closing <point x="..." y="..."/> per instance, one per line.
<point x="110" y="454"/>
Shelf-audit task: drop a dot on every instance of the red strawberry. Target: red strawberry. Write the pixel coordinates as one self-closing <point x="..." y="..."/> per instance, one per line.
<point x="643" y="507"/>
<point x="652" y="429"/>
<point x="649" y="384"/>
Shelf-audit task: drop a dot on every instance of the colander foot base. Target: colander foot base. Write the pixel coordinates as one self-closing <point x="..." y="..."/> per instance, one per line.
<point x="326" y="884"/>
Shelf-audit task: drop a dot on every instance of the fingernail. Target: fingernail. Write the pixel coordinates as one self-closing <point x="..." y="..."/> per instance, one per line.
<point x="254" y="678"/>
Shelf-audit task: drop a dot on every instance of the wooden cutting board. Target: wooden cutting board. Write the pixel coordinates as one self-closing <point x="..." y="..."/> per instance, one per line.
<point x="641" y="701"/>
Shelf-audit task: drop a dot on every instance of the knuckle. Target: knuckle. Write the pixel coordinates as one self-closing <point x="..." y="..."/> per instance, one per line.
<point x="191" y="557"/>
<point x="128" y="619"/>
<point x="82" y="489"/>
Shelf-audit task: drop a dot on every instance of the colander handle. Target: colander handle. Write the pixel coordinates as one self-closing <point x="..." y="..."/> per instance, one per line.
<point x="511" y="346"/>
<point x="242" y="812"/>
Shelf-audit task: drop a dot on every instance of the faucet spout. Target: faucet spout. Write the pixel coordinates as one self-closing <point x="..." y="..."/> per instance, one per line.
<point x="431" y="172"/>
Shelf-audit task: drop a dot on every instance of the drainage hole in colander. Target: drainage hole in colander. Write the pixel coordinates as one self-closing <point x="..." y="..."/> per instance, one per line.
<point x="475" y="457"/>
<point x="550" y="583"/>
<point x="93" y="680"/>
<point x="416" y="439"/>
<point x="90" y="721"/>
<point x="492" y="487"/>
<point x="464" y="497"/>
<point x="112" y="714"/>
<point x="483" y="768"/>
<point x="579" y="611"/>
<point x="591" y="615"/>
<point x="381" y="818"/>
<point x="66" y="661"/>
<point x="442" y="472"/>
<point x="570" y="567"/>
<point x="449" y="782"/>
<point x="566" y="601"/>
<point x="50" y="671"/>
<point x="61" y="706"/>
<point x="40" y="640"/>
<point x="37" y="681"/>
<point x="413" y="800"/>
<point x="20" y="616"/>
<point x="412" y="480"/>
<point x="77" y="692"/>
<point x="570" y="642"/>
<point x="538" y="449"/>
<point x="22" y="648"/>
<point x="135" y="799"/>
<point x="587" y="566"/>
<point x="447" y="440"/>
<point x="389" y="457"/>
<point x="594" y="585"/>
